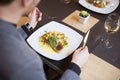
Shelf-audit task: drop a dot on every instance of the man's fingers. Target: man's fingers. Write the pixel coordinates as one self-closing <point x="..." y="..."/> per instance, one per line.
<point x="81" y="49"/>
<point x="39" y="14"/>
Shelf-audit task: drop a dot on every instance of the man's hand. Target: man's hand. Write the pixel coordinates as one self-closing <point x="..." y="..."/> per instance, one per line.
<point x="80" y="56"/>
<point x="34" y="17"/>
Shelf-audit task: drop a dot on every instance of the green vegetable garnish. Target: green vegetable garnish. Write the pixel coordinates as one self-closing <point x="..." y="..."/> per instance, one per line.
<point x="101" y="0"/>
<point x="83" y="13"/>
<point x="53" y="41"/>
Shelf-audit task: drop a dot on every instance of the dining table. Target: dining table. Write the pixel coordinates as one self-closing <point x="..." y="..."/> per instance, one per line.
<point x="56" y="10"/>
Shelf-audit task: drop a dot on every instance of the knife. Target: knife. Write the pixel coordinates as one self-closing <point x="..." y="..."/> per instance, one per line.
<point x="85" y="39"/>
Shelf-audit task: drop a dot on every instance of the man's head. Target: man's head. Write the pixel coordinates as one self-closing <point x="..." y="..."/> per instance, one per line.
<point x="5" y="2"/>
<point x="16" y="7"/>
<point x="29" y="4"/>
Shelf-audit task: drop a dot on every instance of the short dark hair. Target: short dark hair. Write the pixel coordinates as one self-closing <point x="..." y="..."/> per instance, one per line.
<point x="5" y="2"/>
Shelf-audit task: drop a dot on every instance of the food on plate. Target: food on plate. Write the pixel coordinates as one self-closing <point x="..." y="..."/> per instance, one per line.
<point x="99" y="3"/>
<point x="83" y="16"/>
<point x="56" y="40"/>
<point x="83" y="13"/>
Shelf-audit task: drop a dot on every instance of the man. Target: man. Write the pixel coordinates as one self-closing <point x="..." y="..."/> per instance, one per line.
<point x="17" y="60"/>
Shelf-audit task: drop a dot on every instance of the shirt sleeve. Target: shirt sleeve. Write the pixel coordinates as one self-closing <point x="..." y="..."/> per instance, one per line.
<point x="74" y="67"/>
<point x="25" y="30"/>
<point x="72" y="73"/>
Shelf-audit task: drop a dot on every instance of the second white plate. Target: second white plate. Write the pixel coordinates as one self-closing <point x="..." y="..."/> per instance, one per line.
<point x="109" y="8"/>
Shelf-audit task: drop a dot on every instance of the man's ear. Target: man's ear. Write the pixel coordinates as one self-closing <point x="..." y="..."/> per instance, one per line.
<point x="26" y="3"/>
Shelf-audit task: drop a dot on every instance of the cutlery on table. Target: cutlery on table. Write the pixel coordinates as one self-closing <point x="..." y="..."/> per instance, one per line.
<point x="85" y="39"/>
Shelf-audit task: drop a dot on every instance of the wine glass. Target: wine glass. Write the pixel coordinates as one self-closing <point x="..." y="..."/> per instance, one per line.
<point x="112" y="25"/>
<point x="65" y="1"/>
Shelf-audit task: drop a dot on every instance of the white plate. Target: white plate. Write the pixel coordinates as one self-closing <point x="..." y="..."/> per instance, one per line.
<point x="75" y="40"/>
<point x="108" y="9"/>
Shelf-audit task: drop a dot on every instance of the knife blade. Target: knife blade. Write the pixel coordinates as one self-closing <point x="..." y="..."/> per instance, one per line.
<point x="86" y="38"/>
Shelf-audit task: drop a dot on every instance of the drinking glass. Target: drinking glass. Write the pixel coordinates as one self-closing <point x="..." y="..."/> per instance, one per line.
<point x="111" y="25"/>
<point x="65" y="1"/>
